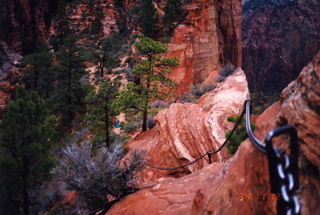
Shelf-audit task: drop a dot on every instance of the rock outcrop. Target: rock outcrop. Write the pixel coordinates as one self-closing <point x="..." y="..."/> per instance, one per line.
<point x="185" y="132"/>
<point x="300" y="107"/>
<point x="209" y="38"/>
<point x="278" y="41"/>
<point x="240" y="184"/>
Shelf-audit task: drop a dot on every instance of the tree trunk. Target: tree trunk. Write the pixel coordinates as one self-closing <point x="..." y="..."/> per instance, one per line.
<point x="107" y="126"/>
<point x="145" y="118"/>
<point x="25" y="194"/>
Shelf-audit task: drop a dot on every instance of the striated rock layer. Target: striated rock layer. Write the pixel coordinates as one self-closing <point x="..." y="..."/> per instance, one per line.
<point x="184" y="132"/>
<point x="239" y="184"/>
<point x="209" y="38"/>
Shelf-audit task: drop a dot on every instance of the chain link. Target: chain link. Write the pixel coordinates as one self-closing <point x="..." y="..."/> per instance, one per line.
<point x="289" y="203"/>
<point x="283" y="171"/>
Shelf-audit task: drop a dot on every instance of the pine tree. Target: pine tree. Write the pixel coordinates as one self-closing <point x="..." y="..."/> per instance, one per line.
<point x="108" y="53"/>
<point x="61" y="27"/>
<point x="148" y="19"/>
<point x="25" y="161"/>
<point x="102" y="108"/>
<point x="152" y="71"/>
<point x="96" y="26"/>
<point x="39" y="77"/>
<point x="69" y="93"/>
<point x="238" y="136"/>
<point x="170" y="18"/>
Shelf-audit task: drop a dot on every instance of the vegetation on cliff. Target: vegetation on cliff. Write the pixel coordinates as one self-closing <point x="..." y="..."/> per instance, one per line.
<point x="26" y="133"/>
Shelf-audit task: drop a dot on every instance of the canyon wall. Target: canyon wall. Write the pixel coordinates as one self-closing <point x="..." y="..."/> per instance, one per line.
<point x="278" y="41"/>
<point x="207" y="39"/>
<point x="23" y="22"/>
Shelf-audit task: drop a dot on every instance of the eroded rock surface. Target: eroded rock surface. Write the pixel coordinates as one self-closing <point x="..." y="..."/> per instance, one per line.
<point x="239" y="184"/>
<point x="184" y="132"/>
<point x="301" y="108"/>
<point x="210" y="37"/>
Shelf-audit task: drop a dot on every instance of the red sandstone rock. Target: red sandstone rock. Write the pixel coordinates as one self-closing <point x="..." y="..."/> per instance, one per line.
<point x="184" y="132"/>
<point x="239" y="184"/>
<point x="278" y="41"/>
<point x="209" y="38"/>
<point x="300" y="107"/>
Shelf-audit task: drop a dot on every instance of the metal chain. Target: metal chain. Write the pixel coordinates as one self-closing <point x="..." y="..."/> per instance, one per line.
<point x="283" y="171"/>
<point x="288" y="203"/>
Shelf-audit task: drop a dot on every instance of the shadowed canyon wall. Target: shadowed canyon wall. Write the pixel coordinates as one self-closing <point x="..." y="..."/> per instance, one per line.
<point x="279" y="39"/>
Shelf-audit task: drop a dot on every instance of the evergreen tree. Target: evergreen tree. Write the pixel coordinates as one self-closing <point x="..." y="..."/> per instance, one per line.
<point x="153" y="83"/>
<point x="39" y="77"/>
<point x="61" y="27"/>
<point x="170" y="17"/>
<point x="102" y="108"/>
<point x="108" y="54"/>
<point x="148" y="19"/>
<point x="25" y="161"/>
<point x="69" y="93"/>
<point x="96" y="26"/>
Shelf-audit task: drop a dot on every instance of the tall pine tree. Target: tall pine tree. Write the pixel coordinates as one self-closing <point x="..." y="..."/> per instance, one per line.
<point x="69" y="93"/>
<point x="151" y="70"/>
<point x="102" y="108"/>
<point x="61" y="27"/>
<point x="38" y="77"/>
<point x="25" y="161"/>
<point x="170" y="18"/>
<point x="148" y="19"/>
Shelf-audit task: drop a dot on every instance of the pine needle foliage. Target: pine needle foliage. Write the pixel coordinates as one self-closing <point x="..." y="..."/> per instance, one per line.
<point x="69" y="93"/>
<point x="25" y="161"/>
<point x="102" y="108"/>
<point x="148" y="19"/>
<point x="238" y="136"/>
<point x="152" y="81"/>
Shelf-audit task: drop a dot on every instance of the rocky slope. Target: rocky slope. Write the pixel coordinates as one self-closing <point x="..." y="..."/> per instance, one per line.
<point x="279" y="39"/>
<point x="235" y="185"/>
<point x="209" y="37"/>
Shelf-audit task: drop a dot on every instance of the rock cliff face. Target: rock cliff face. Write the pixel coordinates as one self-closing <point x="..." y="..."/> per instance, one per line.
<point x="23" y="21"/>
<point x="210" y="37"/>
<point x="278" y="40"/>
<point x="230" y="185"/>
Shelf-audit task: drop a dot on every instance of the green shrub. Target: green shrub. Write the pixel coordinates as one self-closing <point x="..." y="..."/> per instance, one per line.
<point x="133" y="125"/>
<point x="199" y="89"/>
<point x="227" y="69"/>
<point x="238" y="136"/>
